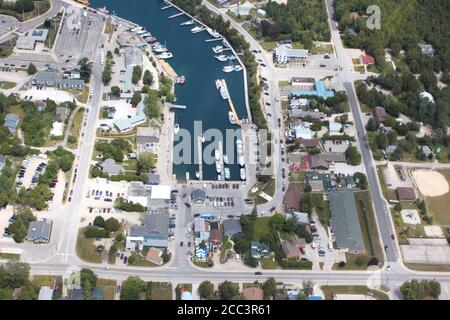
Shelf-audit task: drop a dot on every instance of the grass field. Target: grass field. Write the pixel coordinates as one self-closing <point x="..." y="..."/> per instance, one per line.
<point x="7" y="85"/>
<point x="160" y="291"/>
<point x="261" y="227"/>
<point x="428" y="267"/>
<point x="41" y="281"/>
<point x="86" y="249"/>
<point x="141" y="262"/>
<point x="7" y="47"/>
<point x="438" y="206"/>
<point x="328" y="291"/>
<point x="10" y="256"/>
<point x="76" y="127"/>
<point x="52" y="31"/>
<point x="226" y="245"/>
<point x="268" y="187"/>
<point x="268" y="263"/>
<point x="109" y="287"/>
<point x="40" y="7"/>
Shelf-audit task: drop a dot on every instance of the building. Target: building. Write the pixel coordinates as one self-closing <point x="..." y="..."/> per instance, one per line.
<point x="292" y="198"/>
<point x="231" y="227"/>
<point x="48" y="78"/>
<point x="45" y="293"/>
<point x="76" y="294"/>
<point x="28" y="41"/>
<point x="261" y="12"/>
<point x="350" y="182"/>
<point x="308" y="143"/>
<point x="98" y="294"/>
<point x="319" y="181"/>
<point x="427" y="152"/>
<point x="139" y="193"/>
<point x="345" y="221"/>
<point x="39" y="231"/>
<point x="110" y="167"/>
<point x="11" y="122"/>
<point x="227" y="3"/>
<point x="259" y="249"/>
<point x="186" y="295"/>
<point x="322" y="161"/>
<point x="379" y="113"/>
<point x="284" y="54"/>
<point x="300" y="217"/>
<point x="74" y="84"/>
<point x="302" y="81"/>
<point x="126" y="124"/>
<point x="298" y="242"/>
<point x="334" y="127"/>
<point x="215" y="237"/>
<point x="406" y="194"/>
<point x="147" y="138"/>
<point x="153" y="179"/>
<point x="319" y="90"/>
<point x="299" y="103"/>
<point x="290" y="250"/>
<point x="151" y="233"/>
<point x="302" y="132"/>
<point x="61" y="114"/>
<point x="253" y="293"/>
<point x="426" y="49"/>
<point x="198" y="196"/>
<point x="40" y="105"/>
<point x="298" y="113"/>
<point x="242" y="9"/>
<point x="367" y="60"/>
<point x="154" y="255"/>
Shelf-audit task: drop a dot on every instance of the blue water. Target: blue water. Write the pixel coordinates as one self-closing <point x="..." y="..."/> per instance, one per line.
<point x="193" y="58"/>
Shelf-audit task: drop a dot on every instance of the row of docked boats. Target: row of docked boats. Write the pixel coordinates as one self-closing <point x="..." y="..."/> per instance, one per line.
<point x="219" y="159"/>
<point x="223" y="58"/>
<point x="222" y="89"/>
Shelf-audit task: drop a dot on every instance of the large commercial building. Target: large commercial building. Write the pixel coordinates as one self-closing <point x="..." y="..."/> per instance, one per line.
<point x="284" y="54"/>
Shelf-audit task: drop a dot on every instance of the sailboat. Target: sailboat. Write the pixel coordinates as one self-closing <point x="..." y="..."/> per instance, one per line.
<point x="176" y="128"/>
<point x="228" y="68"/>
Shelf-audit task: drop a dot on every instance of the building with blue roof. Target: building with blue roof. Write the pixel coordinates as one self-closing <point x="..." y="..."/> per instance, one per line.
<point x="319" y="90"/>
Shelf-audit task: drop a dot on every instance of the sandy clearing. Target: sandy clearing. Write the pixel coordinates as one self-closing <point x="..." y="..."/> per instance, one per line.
<point x="430" y="183"/>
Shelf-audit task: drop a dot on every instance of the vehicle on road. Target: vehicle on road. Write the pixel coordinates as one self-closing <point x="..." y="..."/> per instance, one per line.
<point x="258" y="273"/>
<point x="181" y="243"/>
<point x="187" y="204"/>
<point x="392" y="236"/>
<point x="386" y="248"/>
<point x="125" y="260"/>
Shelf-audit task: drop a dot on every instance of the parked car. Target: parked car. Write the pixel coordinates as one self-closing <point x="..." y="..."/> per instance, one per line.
<point x="258" y="273"/>
<point x="125" y="260"/>
<point x="181" y="243"/>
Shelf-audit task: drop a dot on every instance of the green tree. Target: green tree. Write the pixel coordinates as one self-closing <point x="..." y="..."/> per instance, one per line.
<point x="99" y="221"/>
<point x="353" y="156"/>
<point x="269" y="287"/>
<point x="115" y="90"/>
<point x="146" y="161"/>
<point x="372" y="125"/>
<point x="112" y="224"/>
<point x="31" y="69"/>
<point x="308" y="286"/>
<point x="87" y="290"/>
<point x="277" y="221"/>
<point x="136" y="98"/>
<point x="14" y="274"/>
<point x="137" y="74"/>
<point x="228" y="290"/>
<point x="132" y="288"/>
<point x="88" y="276"/>
<point x="148" y="78"/>
<point x="24" y="6"/>
<point x="205" y="289"/>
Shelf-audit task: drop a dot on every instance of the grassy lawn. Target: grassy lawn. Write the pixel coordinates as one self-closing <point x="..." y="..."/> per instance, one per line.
<point x="328" y="291"/>
<point x="76" y="127"/>
<point x="283" y="83"/>
<point x="141" y="262"/>
<point x="226" y="245"/>
<point x="86" y="249"/>
<point x="40" y="7"/>
<point x="322" y="208"/>
<point x="438" y="206"/>
<point x="389" y="194"/>
<point x="160" y="290"/>
<point x="428" y="267"/>
<point x="268" y="187"/>
<point x="41" y="281"/>
<point x="81" y="96"/>
<point x="10" y="256"/>
<point x="359" y="68"/>
<point x="17" y="109"/>
<point x="109" y="287"/>
<point x="6" y="48"/>
<point x="52" y="31"/>
<point x="261" y="227"/>
<point x="268" y="45"/>
<point x="354" y="262"/>
<point x="323" y="49"/>
<point x="7" y="85"/>
<point x="297" y="177"/>
<point x="268" y="263"/>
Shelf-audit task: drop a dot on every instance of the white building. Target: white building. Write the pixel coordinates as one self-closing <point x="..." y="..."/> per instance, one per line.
<point x="285" y="54"/>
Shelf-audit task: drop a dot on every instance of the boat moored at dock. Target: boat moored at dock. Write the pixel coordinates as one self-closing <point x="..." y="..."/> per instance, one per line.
<point x="227" y="173"/>
<point x="231" y="117"/>
<point x="221" y="57"/>
<point x="217" y="49"/>
<point x="181" y="80"/>
<point x="242" y="174"/>
<point x="197" y="29"/>
<point x="176" y="128"/>
<point x="165" y="55"/>
<point x="228" y="69"/>
<point x="238" y="67"/>
<point x="187" y="23"/>
<point x="213" y="33"/>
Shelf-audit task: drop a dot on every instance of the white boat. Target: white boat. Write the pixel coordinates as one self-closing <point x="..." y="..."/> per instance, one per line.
<point x="238" y="67"/>
<point x="165" y="55"/>
<point x="197" y="174"/>
<point x="141" y="32"/>
<point x="202" y="138"/>
<point x="219" y="177"/>
<point x="217" y="49"/>
<point x="218" y="84"/>
<point x="218" y="166"/>
<point x="231" y="117"/>
<point x="188" y="23"/>
<point x="212" y="32"/>
<point x="176" y="128"/>
<point x="217" y="155"/>
<point x="227" y="174"/>
<point x="243" y="176"/>
<point x="225" y="159"/>
<point x="144" y="34"/>
<point x="159" y="48"/>
<point x="239" y="146"/>
<point x="138" y="28"/>
<point x="228" y="69"/>
<point x="197" y="29"/>
<point x="221" y="57"/>
<point x="241" y="160"/>
<point x="223" y="93"/>
<point x="231" y="57"/>
<point x="103" y="10"/>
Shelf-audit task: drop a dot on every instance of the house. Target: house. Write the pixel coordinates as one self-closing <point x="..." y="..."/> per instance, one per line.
<point x="242" y="9"/>
<point x="319" y="90"/>
<point x="334" y="127"/>
<point x="379" y="113"/>
<point x="75" y="84"/>
<point x="98" y="294"/>
<point x="384" y="129"/>
<point x="307" y="143"/>
<point x="302" y="81"/>
<point x="290" y="250"/>
<point x="154" y="255"/>
<point x="151" y="233"/>
<point x="350" y="182"/>
<point x="390" y="149"/>
<point x="299" y="103"/>
<point x="231" y="227"/>
<point x="48" y="78"/>
<point x="72" y="74"/>
<point x="28" y="41"/>
<point x="406" y="194"/>
<point x="11" y="122"/>
<point x="259" y="249"/>
<point x="40" y="105"/>
<point x="39" y="231"/>
<point x="298" y="242"/>
<point x="322" y="161"/>
<point x="76" y="294"/>
<point x="110" y="167"/>
<point x="298" y="113"/>
<point x="302" y="132"/>
<point x="292" y="198"/>
<point x="215" y="237"/>
<point x="253" y="293"/>
<point x="153" y="179"/>
<point x="147" y="138"/>
<point x="367" y="60"/>
<point x="62" y="113"/>
<point x="139" y="193"/>
<point x="426" y="49"/>
<point x="2" y="161"/>
<point x="284" y="54"/>
<point x="319" y="181"/>
<point x="292" y="294"/>
<point x="300" y="217"/>
<point x="261" y="12"/>
<point x="45" y="293"/>
<point x="345" y="221"/>
<point x="198" y="196"/>
<point x="427" y="152"/>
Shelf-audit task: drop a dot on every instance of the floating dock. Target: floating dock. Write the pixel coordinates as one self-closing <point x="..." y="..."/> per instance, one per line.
<point x="166" y="7"/>
<point x="200" y="158"/>
<point x="177" y="106"/>
<point x="221" y="159"/>
<point x="238" y="122"/>
<point x="215" y="39"/>
<point x="176" y="15"/>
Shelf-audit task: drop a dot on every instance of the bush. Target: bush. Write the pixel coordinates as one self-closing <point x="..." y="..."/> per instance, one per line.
<point x="93" y="232"/>
<point x="373" y="261"/>
<point x="131" y="259"/>
<point x="359" y="260"/>
<point x="99" y="221"/>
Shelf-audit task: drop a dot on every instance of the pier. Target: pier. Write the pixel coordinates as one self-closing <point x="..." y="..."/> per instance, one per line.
<point x="177" y="106"/>
<point x="238" y="122"/>
<point x="215" y="39"/>
<point x="176" y="15"/>
<point x="168" y="69"/>
<point x="166" y="7"/>
<point x="222" y="175"/>
<point x="200" y="157"/>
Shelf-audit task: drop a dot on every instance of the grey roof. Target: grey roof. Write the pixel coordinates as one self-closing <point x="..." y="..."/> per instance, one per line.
<point x="11" y="121"/>
<point x="71" y="83"/>
<point x="76" y="294"/>
<point x="147" y="135"/>
<point x="45" y="293"/>
<point x="50" y="77"/>
<point x="153" y="225"/>
<point x="198" y="195"/>
<point x="39" y="230"/>
<point x="231" y="227"/>
<point x="61" y="113"/>
<point x="153" y="178"/>
<point x="299" y="113"/>
<point x="345" y="221"/>
<point x="110" y="167"/>
<point x="138" y="189"/>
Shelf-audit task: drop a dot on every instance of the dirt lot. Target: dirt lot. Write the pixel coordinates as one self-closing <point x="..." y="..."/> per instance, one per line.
<point x="430" y="183"/>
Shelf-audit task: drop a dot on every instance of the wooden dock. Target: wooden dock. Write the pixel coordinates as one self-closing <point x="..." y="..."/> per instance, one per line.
<point x="176" y="15"/>
<point x="166" y="7"/>
<point x="215" y="39"/>
<point x="222" y="176"/>
<point x="233" y="110"/>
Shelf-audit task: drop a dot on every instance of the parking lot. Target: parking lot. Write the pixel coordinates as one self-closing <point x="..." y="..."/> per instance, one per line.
<point x="5" y="215"/>
<point x="79" y="35"/>
<point x="29" y="172"/>
<point x="102" y="193"/>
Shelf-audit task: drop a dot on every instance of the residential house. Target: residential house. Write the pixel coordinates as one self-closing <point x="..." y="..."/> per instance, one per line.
<point x="231" y="227"/>
<point x="62" y="113"/>
<point x="427" y="152"/>
<point x="290" y="250"/>
<point x="406" y="194"/>
<point x="259" y="249"/>
<point x="154" y="255"/>
<point x="379" y="113"/>
<point x="384" y="129"/>
<point x="151" y="233"/>
<point x="39" y="231"/>
<point x="334" y="127"/>
<point x="427" y="49"/>
<point x="344" y="221"/>
<point x="98" y="294"/>
<point x="110" y="167"/>
<point x="367" y="60"/>
<point x="390" y="149"/>
<point x="45" y="293"/>
<point x="308" y="143"/>
<point x="242" y="9"/>
<point x="322" y="161"/>
<point x="319" y="181"/>
<point x="11" y="122"/>
<point x="350" y="182"/>
<point x="292" y="198"/>
<point x="253" y="293"/>
<point x="147" y="138"/>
